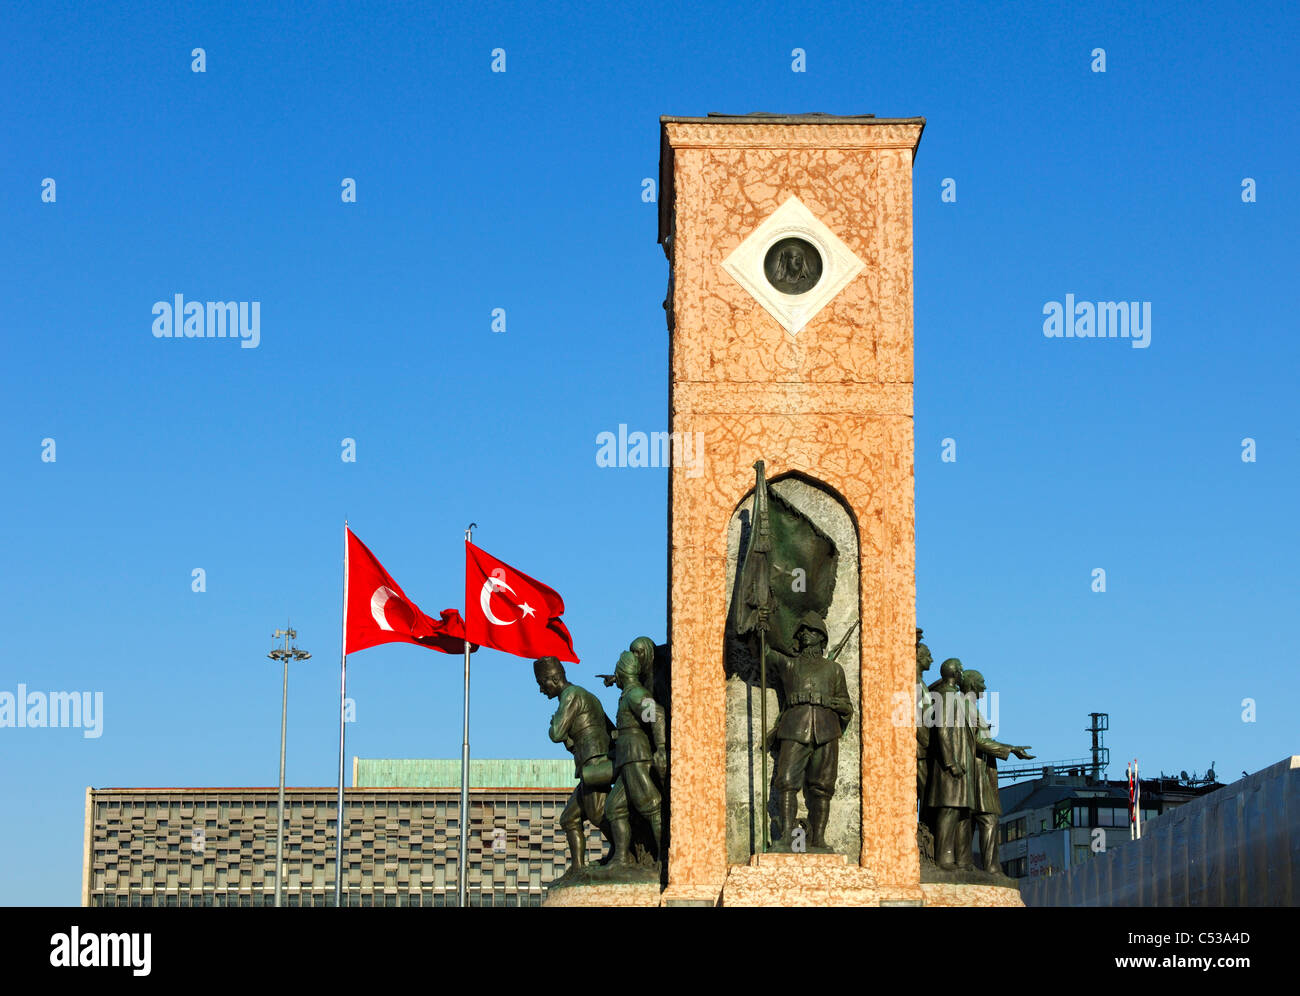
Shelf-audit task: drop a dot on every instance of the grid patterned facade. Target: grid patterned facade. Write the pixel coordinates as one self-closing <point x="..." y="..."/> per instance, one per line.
<point x="216" y="846"/>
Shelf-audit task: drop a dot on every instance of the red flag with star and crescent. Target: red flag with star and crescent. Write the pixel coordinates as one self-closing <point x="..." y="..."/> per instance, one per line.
<point x="507" y="610"/>
<point x="378" y="611"/>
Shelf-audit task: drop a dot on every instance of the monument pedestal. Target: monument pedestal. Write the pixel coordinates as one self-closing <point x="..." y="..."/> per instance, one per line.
<point x="943" y="894"/>
<point x="799" y="880"/>
<point x="611" y="894"/>
<point x="829" y="880"/>
<point x="693" y="894"/>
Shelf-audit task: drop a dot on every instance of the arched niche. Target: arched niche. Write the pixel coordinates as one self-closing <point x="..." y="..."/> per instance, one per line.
<point x="830" y="518"/>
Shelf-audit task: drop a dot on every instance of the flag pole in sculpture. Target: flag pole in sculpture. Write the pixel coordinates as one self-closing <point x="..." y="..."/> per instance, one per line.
<point x="753" y="596"/>
<point x="375" y="611"/>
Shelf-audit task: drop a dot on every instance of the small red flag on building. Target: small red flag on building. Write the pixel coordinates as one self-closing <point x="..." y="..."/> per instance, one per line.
<point x="378" y="611"/>
<point x="507" y="610"/>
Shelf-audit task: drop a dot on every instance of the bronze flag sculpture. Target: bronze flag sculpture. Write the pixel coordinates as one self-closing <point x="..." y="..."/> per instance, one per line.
<point x="784" y="591"/>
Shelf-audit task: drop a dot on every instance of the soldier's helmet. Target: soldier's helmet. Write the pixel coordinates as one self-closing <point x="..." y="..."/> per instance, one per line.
<point x="811" y="620"/>
<point x="628" y="665"/>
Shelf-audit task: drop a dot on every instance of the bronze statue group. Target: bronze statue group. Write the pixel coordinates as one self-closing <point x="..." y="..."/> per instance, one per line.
<point x="621" y="767"/>
<point x="956" y="768"/>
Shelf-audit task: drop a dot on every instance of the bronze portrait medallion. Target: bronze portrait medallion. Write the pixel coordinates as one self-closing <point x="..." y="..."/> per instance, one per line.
<point x="793" y="265"/>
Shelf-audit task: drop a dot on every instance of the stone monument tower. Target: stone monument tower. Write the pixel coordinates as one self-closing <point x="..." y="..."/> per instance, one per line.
<point x="790" y="317"/>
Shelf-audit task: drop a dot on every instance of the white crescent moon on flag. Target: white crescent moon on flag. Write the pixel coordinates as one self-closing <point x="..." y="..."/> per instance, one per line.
<point x="485" y="601"/>
<point x="382" y="594"/>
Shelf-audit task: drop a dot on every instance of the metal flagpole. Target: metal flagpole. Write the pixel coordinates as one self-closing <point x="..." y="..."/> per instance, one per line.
<point x="1128" y="777"/>
<point x="462" y="866"/>
<point x="343" y="701"/>
<point x="1137" y="799"/>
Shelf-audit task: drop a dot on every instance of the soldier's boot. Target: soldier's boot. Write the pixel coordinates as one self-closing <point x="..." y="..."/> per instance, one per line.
<point x="577" y="846"/>
<point x="819" y="814"/>
<point x="621" y="832"/>
<point x="788" y="810"/>
<point x="656" y="828"/>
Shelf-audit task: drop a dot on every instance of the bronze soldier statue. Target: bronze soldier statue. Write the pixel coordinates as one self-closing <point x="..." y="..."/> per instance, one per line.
<point x="923" y="705"/>
<point x="950" y="784"/>
<point x="639" y="746"/>
<point x="817" y="713"/>
<point x="643" y="648"/>
<point x="581" y="725"/>
<point x="986" y="806"/>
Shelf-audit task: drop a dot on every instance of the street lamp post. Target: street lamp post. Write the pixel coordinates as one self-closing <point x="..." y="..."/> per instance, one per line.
<point x="287" y="654"/>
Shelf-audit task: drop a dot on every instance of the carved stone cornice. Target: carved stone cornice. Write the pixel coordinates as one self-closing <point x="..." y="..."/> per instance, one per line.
<point x="902" y="133"/>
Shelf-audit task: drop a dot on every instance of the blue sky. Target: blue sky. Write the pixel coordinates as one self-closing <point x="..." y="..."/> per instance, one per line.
<point x="522" y="190"/>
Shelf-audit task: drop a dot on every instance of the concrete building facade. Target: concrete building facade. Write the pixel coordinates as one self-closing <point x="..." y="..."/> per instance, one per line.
<point x="216" y="846"/>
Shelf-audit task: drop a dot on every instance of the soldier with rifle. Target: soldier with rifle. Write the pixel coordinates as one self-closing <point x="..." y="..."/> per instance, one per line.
<point x="639" y="746"/>
<point x="816" y="715"/>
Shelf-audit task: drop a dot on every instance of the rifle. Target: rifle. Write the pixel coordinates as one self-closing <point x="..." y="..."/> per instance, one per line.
<point x="844" y="639"/>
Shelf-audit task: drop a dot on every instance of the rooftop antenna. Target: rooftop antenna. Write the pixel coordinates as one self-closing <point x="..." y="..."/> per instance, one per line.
<point x="1100" y="752"/>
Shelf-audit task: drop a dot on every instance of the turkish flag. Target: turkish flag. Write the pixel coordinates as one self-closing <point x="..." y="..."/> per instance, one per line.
<point x="378" y="611"/>
<point x="507" y="610"/>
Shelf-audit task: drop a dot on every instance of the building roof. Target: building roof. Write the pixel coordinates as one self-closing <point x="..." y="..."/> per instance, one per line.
<point x="422" y="773"/>
<point x="530" y="773"/>
<point x="1042" y="792"/>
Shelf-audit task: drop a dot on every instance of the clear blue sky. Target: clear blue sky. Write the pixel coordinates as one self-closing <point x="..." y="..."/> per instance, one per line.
<point x="522" y="191"/>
